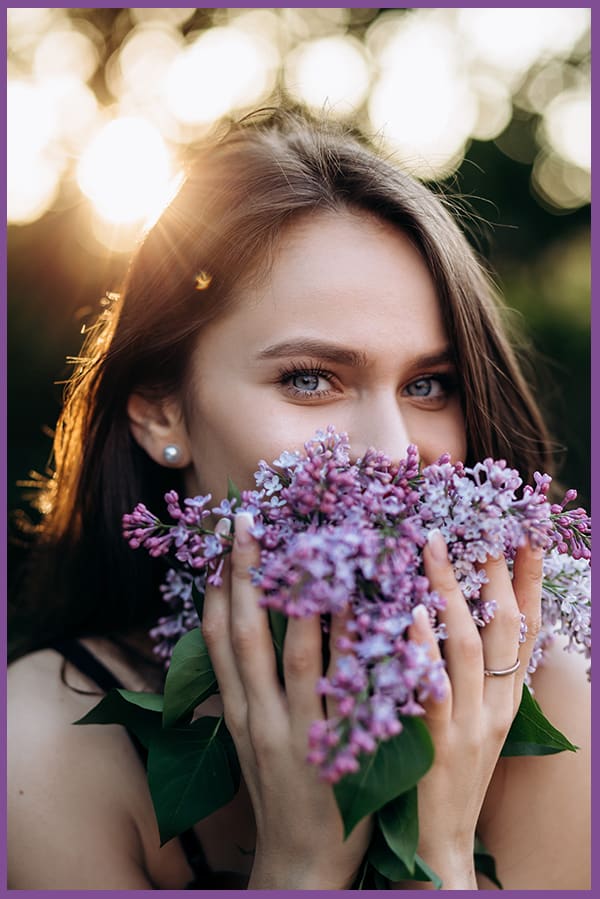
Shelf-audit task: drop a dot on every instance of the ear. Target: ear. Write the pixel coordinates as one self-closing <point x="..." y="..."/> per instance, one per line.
<point x="155" y="424"/>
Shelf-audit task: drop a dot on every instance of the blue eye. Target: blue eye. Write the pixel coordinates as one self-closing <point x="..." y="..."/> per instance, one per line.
<point x="305" y="381"/>
<point x="422" y="387"/>
<point x="302" y="381"/>
<point x="433" y="387"/>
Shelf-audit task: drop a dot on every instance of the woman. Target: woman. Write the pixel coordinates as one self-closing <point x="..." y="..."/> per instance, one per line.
<point x="297" y="280"/>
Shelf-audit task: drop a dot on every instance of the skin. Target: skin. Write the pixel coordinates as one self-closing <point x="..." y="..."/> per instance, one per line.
<point x="349" y="282"/>
<point x="352" y="282"/>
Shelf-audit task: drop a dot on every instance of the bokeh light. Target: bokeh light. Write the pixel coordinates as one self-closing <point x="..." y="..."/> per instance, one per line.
<point x="559" y="185"/>
<point x="32" y="172"/>
<point x="426" y="82"/>
<point x="73" y="108"/>
<point x="422" y="101"/>
<point x="509" y="40"/>
<point x="567" y="123"/>
<point x="174" y="17"/>
<point x="331" y="72"/>
<point x="494" y="107"/>
<point x="25" y="28"/>
<point x="222" y="70"/>
<point x="65" y="51"/>
<point x="126" y="171"/>
<point x="140" y="65"/>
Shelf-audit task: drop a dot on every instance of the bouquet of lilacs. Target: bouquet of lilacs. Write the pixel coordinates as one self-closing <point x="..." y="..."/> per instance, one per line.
<point x="339" y="536"/>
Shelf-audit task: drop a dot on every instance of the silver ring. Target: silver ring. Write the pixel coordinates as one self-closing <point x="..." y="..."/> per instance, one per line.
<point x="501" y="672"/>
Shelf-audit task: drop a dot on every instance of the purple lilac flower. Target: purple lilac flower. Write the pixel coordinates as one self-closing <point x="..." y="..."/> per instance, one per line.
<point x="177" y="593"/>
<point x="566" y="602"/>
<point x="342" y="537"/>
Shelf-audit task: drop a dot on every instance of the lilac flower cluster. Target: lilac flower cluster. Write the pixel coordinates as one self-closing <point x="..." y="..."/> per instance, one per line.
<point x="345" y="538"/>
<point x="183" y="617"/>
<point x="566" y="604"/>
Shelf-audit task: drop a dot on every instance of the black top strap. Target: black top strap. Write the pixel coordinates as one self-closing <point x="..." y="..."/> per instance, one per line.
<point x="86" y="662"/>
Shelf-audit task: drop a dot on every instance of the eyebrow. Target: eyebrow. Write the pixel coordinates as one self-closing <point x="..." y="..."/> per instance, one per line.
<point x="332" y="352"/>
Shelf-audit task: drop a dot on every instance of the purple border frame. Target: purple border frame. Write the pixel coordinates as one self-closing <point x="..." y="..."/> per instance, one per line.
<point x="3" y="445"/>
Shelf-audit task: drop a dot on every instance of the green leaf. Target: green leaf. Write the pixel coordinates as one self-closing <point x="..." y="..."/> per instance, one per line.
<point x="190" y="678"/>
<point x="140" y="713"/>
<point x="395" y="767"/>
<point x="424" y="872"/>
<point x="399" y="824"/>
<point x="485" y="863"/>
<point x="278" y="625"/>
<point x="233" y="492"/>
<point x="192" y="772"/>
<point x="384" y="859"/>
<point x="380" y="882"/>
<point x="390" y="866"/>
<point x="532" y="734"/>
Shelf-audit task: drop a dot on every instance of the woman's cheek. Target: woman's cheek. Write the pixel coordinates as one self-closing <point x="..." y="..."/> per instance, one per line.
<point x="437" y="433"/>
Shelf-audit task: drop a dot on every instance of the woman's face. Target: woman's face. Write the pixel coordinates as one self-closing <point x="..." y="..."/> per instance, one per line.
<point x="345" y="330"/>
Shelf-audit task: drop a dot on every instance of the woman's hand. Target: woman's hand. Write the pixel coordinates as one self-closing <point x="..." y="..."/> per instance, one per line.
<point x="469" y="727"/>
<point x="299" y="830"/>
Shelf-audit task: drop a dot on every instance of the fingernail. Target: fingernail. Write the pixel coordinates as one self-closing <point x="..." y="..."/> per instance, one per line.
<point x="223" y="527"/>
<point x="437" y="545"/>
<point x="420" y="614"/>
<point x="243" y="523"/>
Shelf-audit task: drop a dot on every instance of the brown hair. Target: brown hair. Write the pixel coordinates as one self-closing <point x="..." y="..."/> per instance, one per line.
<point x="243" y="187"/>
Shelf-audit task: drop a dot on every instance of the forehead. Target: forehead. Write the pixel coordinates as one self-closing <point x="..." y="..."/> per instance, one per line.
<point x="347" y="275"/>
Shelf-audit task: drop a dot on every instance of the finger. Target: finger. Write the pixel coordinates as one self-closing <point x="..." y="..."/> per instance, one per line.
<point x="302" y="667"/>
<point x="421" y="632"/>
<point x="341" y="640"/>
<point x="500" y="636"/>
<point x="249" y="624"/>
<point x="462" y="648"/>
<point x="527" y="586"/>
<point x="215" y="628"/>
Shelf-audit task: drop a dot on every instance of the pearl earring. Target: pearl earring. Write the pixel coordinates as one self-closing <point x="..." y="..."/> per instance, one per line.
<point x="171" y="454"/>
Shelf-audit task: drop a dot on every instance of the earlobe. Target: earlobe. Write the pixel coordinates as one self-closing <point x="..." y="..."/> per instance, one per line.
<point x="158" y="427"/>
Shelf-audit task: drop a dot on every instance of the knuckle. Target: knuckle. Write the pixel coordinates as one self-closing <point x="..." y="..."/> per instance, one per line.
<point x="500" y="724"/>
<point x="468" y="645"/>
<point x="235" y="721"/>
<point x="510" y="618"/>
<point x="528" y="573"/>
<point x="533" y="575"/>
<point x="240" y="567"/>
<point x="243" y="639"/>
<point x="513" y="619"/>
<point x="534" y="625"/>
<point x="298" y="660"/>
<point x="213" y="628"/>
<point x="266" y="742"/>
<point x="495" y="563"/>
<point x="445" y="584"/>
<point x="471" y="746"/>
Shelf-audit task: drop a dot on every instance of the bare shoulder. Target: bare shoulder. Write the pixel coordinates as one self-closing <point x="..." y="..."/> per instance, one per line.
<point x="562" y="688"/>
<point x="44" y="698"/>
<point x="536" y="817"/>
<point x="77" y="796"/>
